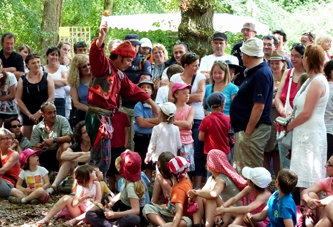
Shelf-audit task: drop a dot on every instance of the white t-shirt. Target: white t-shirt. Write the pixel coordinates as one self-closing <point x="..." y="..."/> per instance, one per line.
<point x="34" y="179"/>
<point x="164" y="138"/>
<point x="59" y="92"/>
<point x="162" y="95"/>
<point x="208" y="61"/>
<point x="198" y="106"/>
<point x="8" y="107"/>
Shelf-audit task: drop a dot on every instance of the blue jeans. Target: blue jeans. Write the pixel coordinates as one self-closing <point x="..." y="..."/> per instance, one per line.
<point x="199" y="156"/>
<point x="285" y="162"/>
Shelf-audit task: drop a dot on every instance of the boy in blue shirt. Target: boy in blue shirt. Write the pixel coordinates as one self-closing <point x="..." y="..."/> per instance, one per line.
<point x="281" y="208"/>
<point x="143" y="126"/>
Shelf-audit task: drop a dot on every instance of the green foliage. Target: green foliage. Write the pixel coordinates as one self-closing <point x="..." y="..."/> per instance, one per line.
<point x="291" y="5"/>
<point x="167" y="38"/>
<point x="23" y="19"/>
<point x="121" y="7"/>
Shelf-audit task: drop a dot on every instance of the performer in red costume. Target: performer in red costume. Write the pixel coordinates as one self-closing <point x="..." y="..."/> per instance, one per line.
<point x="108" y="84"/>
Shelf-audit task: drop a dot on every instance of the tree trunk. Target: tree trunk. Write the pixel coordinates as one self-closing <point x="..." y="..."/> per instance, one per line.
<point x="196" y="27"/>
<point x="108" y="5"/>
<point x="50" y="24"/>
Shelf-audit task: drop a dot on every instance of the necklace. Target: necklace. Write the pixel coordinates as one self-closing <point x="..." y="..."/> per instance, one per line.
<point x="30" y="76"/>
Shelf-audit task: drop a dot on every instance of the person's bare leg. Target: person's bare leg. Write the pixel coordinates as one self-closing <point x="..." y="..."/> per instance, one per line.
<point x="155" y="219"/>
<point x="197" y="216"/>
<point x="64" y="170"/>
<point x="157" y="190"/>
<point x="210" y="207"/>
<point x="65" y="201"/>
<point x="197" y="181"/>
<point x="170" y="224"/>
<point x="27" y="131"/>
<point x="17" y="193"/>
<point x="267" y="159"/>
<point x="39" y="193"/>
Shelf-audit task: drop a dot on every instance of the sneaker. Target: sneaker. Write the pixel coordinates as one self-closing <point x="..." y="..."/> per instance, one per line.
<point x="15" y="200"/>
<point x="34" y="201"/>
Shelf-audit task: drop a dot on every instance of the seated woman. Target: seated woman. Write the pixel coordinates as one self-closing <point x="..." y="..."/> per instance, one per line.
<point x="9" y="165"/>
<point x="225" y="182"/>
<point x="310" y="195"/>
<point x="258" y="180"/>
<point x="162" y="184"/>
<point x="77" y="153"/>
<point x="20" y="142"/>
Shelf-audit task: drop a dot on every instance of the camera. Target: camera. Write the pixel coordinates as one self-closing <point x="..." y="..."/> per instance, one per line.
<point x="282" y="121"/>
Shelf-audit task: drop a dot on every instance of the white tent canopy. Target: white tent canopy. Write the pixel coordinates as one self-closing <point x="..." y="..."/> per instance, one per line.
<point x="145" y="22"/>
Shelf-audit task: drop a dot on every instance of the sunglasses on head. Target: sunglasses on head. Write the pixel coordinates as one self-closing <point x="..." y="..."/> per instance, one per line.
<point x="52" y="48"/>
<point x="47" y="103"/>
<point x="81" y="43"/>
<point x="309" y="34"/>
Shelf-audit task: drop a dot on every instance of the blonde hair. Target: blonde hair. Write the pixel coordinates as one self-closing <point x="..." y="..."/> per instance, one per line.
<point x="139" y="188"/>
<point x="112" y="42"/>
<point x="162" y="48"/>
<point x="74" y="71"/>
<point x="6" y="132"/>
<point x="321" y="38"/>
<point x="225" y="68"/>
<point x="166" y="118"/>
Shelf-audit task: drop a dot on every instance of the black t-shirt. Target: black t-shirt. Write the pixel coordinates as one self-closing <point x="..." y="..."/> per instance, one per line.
<point x="77" y="148"/>
<point x="256" y="87"/>
<point x="14" y="60"/>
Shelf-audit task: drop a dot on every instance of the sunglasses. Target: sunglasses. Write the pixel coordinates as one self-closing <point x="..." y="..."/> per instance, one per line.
<point x="16" y="126"/>
<point x="52" y="48"/>
<point x="221" y="62"/>
<point x="192" y="55"/>
<point x="85" y="66"/>
<point x="81" y="43"/>
<point x="329" y="164"/>
<point x="47" y="103"/>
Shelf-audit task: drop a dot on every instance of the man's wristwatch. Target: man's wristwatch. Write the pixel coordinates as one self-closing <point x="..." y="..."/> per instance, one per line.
<point x="54" y="139"/>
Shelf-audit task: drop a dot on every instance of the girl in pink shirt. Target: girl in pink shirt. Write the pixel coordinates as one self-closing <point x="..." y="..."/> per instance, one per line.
<point x="184" y="120"/>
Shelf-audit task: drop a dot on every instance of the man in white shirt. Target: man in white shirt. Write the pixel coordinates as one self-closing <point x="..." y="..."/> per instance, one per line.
<point x="219" y="43"/>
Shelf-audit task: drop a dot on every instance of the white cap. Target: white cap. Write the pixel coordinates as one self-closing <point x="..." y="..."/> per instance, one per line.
<point x="259" y="176"/>
<point x="169" y="109"/>
<point x="145" y="42"/>
<point x="253" y="47"/>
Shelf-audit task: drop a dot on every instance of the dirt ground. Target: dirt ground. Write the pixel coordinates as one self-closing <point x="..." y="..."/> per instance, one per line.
<point x="26" y="214"/>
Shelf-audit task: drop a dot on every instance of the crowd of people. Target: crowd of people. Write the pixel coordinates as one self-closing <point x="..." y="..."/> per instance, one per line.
<point x="186" y="141"/>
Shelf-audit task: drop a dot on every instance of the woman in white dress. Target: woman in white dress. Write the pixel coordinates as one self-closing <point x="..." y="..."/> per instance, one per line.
<point x="309" y="144"/>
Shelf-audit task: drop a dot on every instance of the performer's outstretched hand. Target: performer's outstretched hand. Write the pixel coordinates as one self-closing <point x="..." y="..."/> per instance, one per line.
<point x="103" y="30"/>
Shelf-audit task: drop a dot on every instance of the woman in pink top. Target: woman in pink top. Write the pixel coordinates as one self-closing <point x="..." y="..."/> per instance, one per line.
<point x="184" y="120"/>
<point x="322" y="207"/>
<point x="285" y="109"/>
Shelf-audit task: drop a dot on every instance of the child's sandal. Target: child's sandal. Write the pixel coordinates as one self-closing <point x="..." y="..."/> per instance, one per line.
<point x="15" y="200"/>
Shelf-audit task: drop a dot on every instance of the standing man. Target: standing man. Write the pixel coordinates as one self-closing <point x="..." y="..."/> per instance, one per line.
<point x="80" y="47"/>
<point x="12" y="61"/>
<point x="179" y="49"/>
<point x="250" y="109"/>
<point x="270" y="44"/>
<point x="109" y="83"/>
<point x="249" y="31"/>
<point x="219" y="43"/>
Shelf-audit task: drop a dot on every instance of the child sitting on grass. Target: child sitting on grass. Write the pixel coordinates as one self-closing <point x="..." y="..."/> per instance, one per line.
<point x="36" y="178"/>
<point x="258" y="180"/>
<point x="281" y="208"/>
